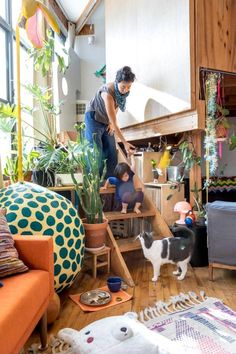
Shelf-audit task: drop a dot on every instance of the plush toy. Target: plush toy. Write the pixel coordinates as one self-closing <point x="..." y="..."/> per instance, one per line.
<point x="118" y="335"/>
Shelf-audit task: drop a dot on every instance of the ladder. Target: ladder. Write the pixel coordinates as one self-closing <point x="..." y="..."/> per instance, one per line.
<point x="123" y="245"/>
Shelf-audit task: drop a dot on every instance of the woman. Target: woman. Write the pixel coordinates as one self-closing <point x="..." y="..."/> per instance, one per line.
<point x="100" y="117"/>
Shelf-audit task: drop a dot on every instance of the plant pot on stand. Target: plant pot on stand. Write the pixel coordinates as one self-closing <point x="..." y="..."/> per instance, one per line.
<point x="95" y="234"/>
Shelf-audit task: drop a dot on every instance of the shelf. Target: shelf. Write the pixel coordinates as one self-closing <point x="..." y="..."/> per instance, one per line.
<point x="128" y="244"/>
<point x="116" y="215"/>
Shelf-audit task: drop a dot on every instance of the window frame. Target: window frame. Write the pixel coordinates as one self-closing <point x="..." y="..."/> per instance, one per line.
<point x="6" y="26"/>
<point x="10" y="37"/>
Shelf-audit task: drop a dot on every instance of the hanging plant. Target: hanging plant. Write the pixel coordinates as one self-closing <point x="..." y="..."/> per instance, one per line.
<point x="211" y="109"/>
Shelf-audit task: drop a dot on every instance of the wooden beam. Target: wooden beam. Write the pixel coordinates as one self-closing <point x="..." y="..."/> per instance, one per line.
<point x="86" y="30"/>
<point x="193" y="81"/>
<point x="59" y="13"/>
<point x="89" y="9"/>
<point x="169" y="124"/>
<point x="195" y="174"/>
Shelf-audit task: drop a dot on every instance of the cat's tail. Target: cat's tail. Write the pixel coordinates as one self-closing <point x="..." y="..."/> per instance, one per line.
<point x="183" y="231"/>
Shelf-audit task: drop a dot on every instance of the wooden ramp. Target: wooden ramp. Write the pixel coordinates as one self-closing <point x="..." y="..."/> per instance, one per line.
<point x="149" y="214"/>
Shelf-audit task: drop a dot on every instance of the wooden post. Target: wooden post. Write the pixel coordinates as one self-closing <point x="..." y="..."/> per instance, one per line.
<point x="19" y="129"/>
<point x="195" y="175"/>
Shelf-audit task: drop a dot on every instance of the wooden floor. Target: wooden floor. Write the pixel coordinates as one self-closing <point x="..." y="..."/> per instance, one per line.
<point x="145" y="292"/>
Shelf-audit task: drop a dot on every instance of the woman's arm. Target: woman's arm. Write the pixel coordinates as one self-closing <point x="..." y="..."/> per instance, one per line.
<point x="111" y="112"/>
<point x="132" y="162"/>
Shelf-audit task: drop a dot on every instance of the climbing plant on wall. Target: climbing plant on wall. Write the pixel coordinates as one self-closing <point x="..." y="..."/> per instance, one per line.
<point x="211" y="154"/>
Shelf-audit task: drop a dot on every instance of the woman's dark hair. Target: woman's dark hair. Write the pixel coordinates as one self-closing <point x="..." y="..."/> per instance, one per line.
<point x="125" y="74"/>
<point x="121" y="169"/>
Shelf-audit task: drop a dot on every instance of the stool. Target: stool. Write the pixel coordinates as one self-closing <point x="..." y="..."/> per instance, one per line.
<point x="100" y="258"/>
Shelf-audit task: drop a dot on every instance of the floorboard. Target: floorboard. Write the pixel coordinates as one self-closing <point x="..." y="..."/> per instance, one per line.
<point x="144" y="293"/>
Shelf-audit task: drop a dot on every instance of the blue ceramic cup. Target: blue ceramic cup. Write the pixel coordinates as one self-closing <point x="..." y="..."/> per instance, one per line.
<point x="114" y="284"/>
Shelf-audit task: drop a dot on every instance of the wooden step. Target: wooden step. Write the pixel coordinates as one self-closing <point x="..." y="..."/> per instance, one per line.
<point x="128" y="244"/>
<point x="109" y="190"/>
<point x="116" y="215"/>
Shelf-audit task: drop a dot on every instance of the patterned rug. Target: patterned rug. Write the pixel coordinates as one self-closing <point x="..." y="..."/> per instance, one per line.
<point x="201" y="324"/>
<point x="55" y="345"/>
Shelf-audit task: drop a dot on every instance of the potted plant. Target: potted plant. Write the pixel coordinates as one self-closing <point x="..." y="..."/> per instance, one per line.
<point x="222" y="123"/>
<point x="49" y="150"/>
<point x="189" y="158"/>
<point x="87" y="158"/>
<point x="198" y="207"/>
<point x="65" y="168"/>
<point x="156" y="172"/>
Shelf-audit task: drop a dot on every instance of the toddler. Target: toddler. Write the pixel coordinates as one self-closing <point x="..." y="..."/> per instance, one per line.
<point x="126" y="195"/>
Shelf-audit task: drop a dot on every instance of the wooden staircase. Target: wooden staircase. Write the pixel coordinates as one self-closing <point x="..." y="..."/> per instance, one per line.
<point x="149" y="213"/>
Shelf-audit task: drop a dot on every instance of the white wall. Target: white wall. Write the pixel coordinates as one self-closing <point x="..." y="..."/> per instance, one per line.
<point x="92" y="56"/>
<point x="153" y="38"/>
<point x="67" y="117"/>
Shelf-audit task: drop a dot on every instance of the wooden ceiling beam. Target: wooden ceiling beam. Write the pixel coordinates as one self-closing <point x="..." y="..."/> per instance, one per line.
<point x="89" y="9"/>
<point x="56" y="8"/>
<point x="170" y="124"/>
<point x="87" y="30"/>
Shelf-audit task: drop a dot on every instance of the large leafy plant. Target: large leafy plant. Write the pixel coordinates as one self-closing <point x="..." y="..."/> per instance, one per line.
<point x="50" y="152"/>
<point x="87" y="157"/>
<point x="43" y="57"/>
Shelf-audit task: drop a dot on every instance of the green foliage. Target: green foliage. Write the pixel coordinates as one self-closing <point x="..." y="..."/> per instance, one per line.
<point x="11" y="166"/>
<point x="44" y="56"/>
<point x="153" y="163"/>
<point x="51" y="155"/>
<point x="87" y="158"/>
<point x="189" y="155"/>
<point x="198" y="202"/>
<point x="221" y="116"/>
<point x="232" y="145"/>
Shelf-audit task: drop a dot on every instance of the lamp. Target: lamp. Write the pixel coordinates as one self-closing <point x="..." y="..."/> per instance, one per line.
<point x="182" y="208"/>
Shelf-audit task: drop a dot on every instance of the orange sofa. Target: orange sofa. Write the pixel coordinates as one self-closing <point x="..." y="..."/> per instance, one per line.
<point x="24" y="297"/>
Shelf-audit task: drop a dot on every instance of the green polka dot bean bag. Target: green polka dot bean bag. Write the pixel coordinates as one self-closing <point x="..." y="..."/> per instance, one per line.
<point x="35" y="210"/>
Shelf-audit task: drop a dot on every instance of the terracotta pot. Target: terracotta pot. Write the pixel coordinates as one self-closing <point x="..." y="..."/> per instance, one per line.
<point x="28" y="176"/>
<point x="95" y="234"/>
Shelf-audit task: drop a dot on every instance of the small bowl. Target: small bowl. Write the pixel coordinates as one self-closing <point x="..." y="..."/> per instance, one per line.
<point x="114" y="284"/>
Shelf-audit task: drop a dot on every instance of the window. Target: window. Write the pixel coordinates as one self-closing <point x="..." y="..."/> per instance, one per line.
<point x="9" y="13"/>
<point x="3" y="9"/>
<point x="3" y="66"/>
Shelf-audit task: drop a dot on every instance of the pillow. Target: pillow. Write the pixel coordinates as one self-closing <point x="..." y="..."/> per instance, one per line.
<point x="9" y="260"/>
<point x="118" y="335"/>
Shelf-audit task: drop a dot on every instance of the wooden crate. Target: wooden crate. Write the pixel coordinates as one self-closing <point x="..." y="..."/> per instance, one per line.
<point x="121" y="228"/>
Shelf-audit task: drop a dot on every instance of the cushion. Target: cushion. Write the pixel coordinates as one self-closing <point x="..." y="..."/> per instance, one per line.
<point x="118" y="335"/>
<point x="9" y="260"/>
<point x="23" y="298"/>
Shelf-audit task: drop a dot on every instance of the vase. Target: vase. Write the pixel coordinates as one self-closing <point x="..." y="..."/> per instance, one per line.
<point x="155" y="175"/>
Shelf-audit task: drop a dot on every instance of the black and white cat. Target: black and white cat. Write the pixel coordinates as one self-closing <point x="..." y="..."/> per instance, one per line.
<point x="177" y="249"/>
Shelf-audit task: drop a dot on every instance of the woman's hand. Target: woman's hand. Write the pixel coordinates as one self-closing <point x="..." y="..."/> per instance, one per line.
<point x="129" y="148"/>
<point x="110" y="129"/>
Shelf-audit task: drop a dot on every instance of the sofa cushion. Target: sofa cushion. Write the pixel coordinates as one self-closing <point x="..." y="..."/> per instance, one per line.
<point x="9" y="260"/>
<point x="22" y="300"/>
